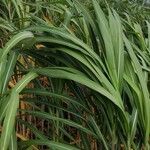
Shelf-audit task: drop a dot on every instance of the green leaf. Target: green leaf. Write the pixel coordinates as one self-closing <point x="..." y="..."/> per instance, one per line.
<point x="55" y="145"/>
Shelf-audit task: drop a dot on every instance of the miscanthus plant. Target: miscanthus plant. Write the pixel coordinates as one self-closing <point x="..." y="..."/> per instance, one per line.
<point x="85" y="81"/>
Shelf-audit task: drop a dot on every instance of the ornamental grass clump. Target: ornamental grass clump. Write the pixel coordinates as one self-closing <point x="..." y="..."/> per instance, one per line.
<point x="79" y="84"/>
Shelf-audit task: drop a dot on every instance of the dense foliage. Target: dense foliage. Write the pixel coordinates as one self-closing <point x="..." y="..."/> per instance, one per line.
<point x="74" y="75"/>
